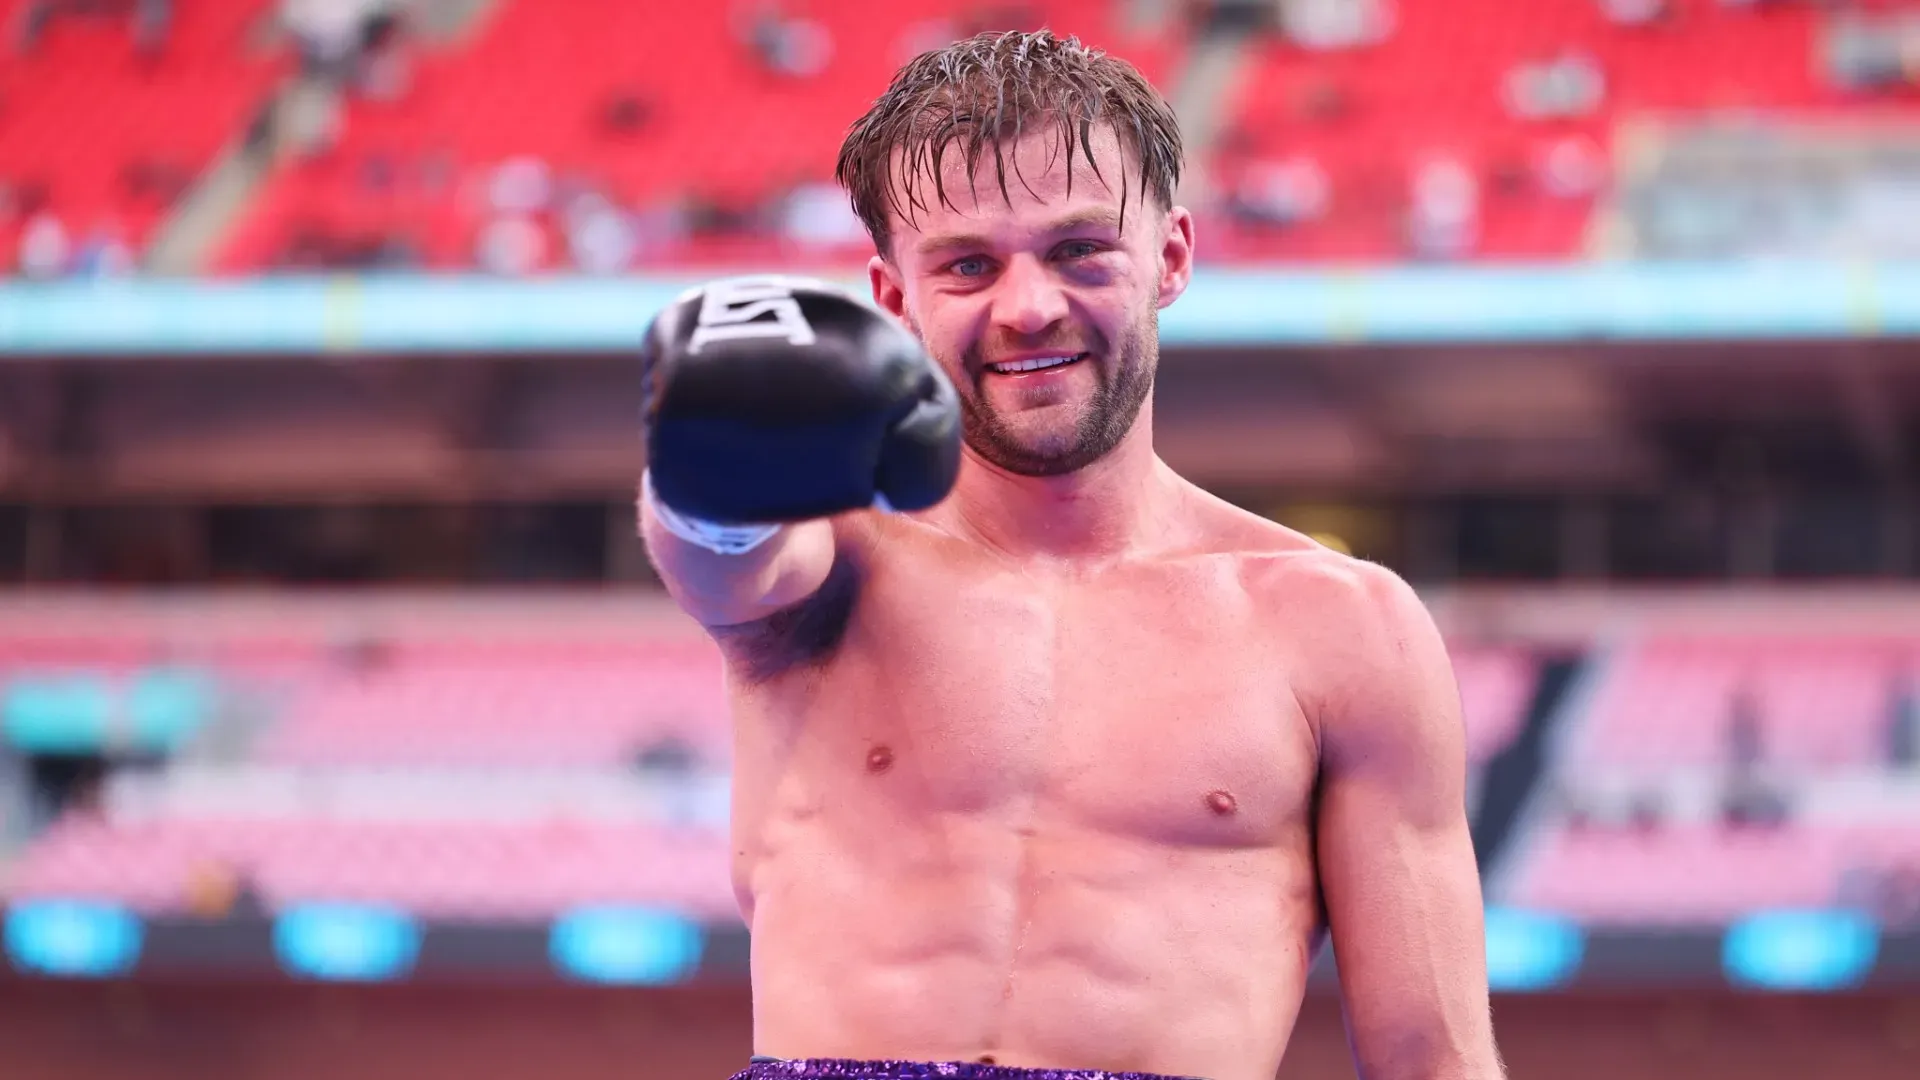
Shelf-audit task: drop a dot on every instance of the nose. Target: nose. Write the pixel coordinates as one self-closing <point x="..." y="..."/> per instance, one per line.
<point x="1030" y="299"/>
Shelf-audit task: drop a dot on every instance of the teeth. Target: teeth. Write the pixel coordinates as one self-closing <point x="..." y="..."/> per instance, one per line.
<point x="1035" y="364"/>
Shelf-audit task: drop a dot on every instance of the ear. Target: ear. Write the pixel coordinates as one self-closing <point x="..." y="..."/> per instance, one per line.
<point x="886" y="287"/>
<point x="1176" y="255"/>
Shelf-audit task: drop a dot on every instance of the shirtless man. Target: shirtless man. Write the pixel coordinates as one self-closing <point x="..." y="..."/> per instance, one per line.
<point x="1060" y="762"/>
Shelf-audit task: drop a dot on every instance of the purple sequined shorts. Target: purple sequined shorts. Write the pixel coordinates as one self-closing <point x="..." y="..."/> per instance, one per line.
<point x="836" y="1069"/>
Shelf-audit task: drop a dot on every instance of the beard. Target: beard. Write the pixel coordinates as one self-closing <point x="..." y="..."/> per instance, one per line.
<point x="1124" y="383"/>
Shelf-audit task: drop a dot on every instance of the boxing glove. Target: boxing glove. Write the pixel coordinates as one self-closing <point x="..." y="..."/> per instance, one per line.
<point x="773" y="399"/>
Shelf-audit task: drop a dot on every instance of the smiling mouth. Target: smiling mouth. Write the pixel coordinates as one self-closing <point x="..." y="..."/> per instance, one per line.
<point x="1038" y="363"/>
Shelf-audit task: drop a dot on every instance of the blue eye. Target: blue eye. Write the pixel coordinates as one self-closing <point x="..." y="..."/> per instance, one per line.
<point x="977" y="264"/>
<point x="1079" y="249"/>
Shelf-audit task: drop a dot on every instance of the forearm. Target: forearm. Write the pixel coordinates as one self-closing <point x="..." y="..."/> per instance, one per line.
<point x="732" y="588"/>
<point x="1412" y="961"/>
<point x="1418" y="1057"/>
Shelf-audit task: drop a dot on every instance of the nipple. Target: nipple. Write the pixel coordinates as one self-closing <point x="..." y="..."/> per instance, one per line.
<point x="1221" y="803"/>
<point x="879" y="760"/>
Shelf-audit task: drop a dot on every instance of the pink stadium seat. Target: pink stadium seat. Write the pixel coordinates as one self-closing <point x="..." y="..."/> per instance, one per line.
<point x="1662" y="703"/>
<point x="488" y="871"/>
<point x="523" y="705"/>
<point x="147" y="868"/>
<point x="1681" y="875"/>
<point x="1884" y="842"/>
<point x="455" y="869"/>
<point x="483" y="729"/>
<point x="1826" y="705"/>
<point x="564" y="704"/>
<point x="1496" y="685"/>
<point x="442" y="869"/>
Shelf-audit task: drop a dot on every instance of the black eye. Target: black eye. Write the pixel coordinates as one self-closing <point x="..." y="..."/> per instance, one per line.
<point x="1078" y="249"/>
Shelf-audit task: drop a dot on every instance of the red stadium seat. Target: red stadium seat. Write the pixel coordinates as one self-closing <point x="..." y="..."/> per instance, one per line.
<point x="1435" y="88"/>
<point x="532" y="80"/>
<point x="83" y="113"/>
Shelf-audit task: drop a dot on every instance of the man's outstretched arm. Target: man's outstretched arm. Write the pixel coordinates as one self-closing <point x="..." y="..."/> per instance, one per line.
<point x="1396" y="861"/>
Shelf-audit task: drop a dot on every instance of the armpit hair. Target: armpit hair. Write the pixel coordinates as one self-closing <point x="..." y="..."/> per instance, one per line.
<point x="805" y="634"/>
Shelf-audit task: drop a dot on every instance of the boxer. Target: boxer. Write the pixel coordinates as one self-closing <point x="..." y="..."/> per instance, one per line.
<point x="1048" y="763"/>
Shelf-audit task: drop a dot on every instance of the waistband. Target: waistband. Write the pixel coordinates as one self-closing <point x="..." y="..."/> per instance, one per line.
<point x="767" y="1068"/>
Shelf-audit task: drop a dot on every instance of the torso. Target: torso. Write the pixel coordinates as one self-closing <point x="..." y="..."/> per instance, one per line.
<point x="1043" y="817"/>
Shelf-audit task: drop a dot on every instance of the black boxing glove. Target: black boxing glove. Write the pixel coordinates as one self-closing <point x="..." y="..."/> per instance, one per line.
<point x="769" y="400"/>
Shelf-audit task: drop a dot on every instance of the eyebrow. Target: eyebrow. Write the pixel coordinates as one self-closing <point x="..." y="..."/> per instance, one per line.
<point x="1101" y="220"/>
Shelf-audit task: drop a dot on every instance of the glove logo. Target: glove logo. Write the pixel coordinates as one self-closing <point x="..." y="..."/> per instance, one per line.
<point x="733" y="310"/>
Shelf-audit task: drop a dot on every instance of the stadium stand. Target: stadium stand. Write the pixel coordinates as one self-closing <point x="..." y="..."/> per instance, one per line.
<point x="554" y="110"/>
<point x="324" y="593"/>
<point x="566" y="703"/>
<point x="1703" y="777"/>
<point x="458" y="775"/>
<point x="1671" y="873"/>
<point x="602" y="136"/>
<point x="1515" y="109"/>
<point x="450" y="868"/>
<point x="518" y="704"/>
<point x="1678" y="875"/>
<point x="1819" y="704"/>
<point x="105" y="123"/>
<point x="1496" y="684"/>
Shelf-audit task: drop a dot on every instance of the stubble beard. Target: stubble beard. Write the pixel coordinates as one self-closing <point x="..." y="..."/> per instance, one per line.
<point x="1105" y="418"/>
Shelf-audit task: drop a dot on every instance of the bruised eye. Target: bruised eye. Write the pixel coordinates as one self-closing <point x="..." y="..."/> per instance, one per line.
<point x="1078" y="249"/>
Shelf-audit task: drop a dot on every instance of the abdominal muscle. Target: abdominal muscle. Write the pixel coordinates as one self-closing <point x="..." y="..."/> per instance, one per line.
<point x="1045" y="945"/>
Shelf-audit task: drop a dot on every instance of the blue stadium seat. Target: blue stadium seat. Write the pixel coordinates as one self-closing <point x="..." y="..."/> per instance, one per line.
<point x="154" y="711"/>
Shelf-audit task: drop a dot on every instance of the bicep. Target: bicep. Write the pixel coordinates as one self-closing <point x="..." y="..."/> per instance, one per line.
<point x="1396" y="859"/>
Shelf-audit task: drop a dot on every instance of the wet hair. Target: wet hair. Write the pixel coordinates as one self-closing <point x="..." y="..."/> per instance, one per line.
<point x="979" y="96"/>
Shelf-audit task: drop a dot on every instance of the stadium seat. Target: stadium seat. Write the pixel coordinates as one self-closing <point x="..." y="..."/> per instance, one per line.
<point x="112" y="136"/>
<point x="1667" y="703"/>
<point x="154" y="710"/>
<point x="1496" y="686"/>
<point x="1682" y="875"/>
<point x="461" y="775"/>
<point x="435" y="869"/>
<point x="532" y="82"/>
<point x="1435" y="88"/>
<point x="527" y="706"/>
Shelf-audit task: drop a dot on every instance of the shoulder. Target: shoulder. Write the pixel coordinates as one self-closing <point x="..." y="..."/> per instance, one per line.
<point x="1373" y="672"/>
<point x="1364" y="657"/>
<point x="1350" y="622"/>
<point x="1287" y="568"/>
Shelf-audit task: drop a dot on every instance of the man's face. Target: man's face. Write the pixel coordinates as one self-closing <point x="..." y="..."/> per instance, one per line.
<point x="1043" y="312"/>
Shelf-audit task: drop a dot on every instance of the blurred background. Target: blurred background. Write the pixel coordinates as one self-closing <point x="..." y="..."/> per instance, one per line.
<point x="344" y="732"/>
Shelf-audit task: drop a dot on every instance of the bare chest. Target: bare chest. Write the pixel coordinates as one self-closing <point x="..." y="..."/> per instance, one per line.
<point x="1144" y="702"/>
